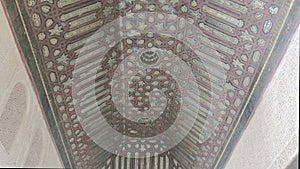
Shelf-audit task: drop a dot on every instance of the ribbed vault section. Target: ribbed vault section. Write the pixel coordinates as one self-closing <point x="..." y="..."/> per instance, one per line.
<point x="137" y="84"/>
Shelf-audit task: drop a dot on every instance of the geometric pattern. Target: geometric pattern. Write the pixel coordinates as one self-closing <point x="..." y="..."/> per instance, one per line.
<point x="236" y="38"/>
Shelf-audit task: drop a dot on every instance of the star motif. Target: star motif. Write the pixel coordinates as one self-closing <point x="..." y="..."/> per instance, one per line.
<point x="196" y="14"/>
<point x="141" y="83"/>
<point x="56" y="30"/>
<point x="246" y="36"/>
<point x="159" y="26"/>
<point x="258" y="4"/>
<point x="64" y="58"/>
<point x="68" y="82"/>
<point x="142" y="148"/>
<point x="107" y="11"/>
<point x="184" y="9"/>
<point x="112" y="61"/>
<point x="109" y="38"/>
<point x="142" y="26"/>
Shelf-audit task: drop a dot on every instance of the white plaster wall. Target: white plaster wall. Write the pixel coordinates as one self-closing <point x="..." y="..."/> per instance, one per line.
<point x="271" y="139"/>
<point x="30" y="140"/>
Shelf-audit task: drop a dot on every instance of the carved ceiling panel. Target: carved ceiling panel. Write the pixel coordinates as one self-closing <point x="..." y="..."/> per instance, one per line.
<point x="146" y="84"/>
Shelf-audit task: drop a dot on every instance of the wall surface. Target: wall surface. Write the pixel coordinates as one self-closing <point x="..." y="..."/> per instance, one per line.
<point x="24" y="138"/>
<point x="271" y="139"/>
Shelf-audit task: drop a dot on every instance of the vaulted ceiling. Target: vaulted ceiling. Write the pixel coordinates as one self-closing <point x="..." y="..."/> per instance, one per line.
<point x="149" y="84"/>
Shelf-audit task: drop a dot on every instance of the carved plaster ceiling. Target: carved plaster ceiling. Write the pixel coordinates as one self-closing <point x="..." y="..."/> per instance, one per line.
<point x="145" y="84"/>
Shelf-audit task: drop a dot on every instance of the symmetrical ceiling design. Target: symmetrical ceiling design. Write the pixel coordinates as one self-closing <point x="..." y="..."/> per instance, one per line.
<point x="145" y="84"/>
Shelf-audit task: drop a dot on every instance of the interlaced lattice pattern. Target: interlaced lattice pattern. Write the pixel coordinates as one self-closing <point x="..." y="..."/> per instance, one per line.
<point x="237" y="32"/>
